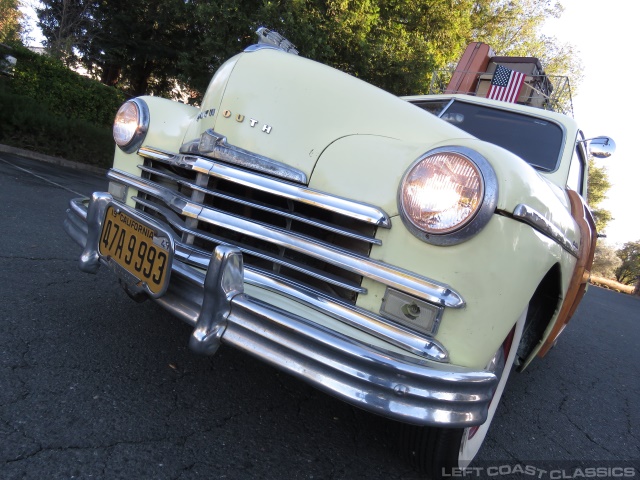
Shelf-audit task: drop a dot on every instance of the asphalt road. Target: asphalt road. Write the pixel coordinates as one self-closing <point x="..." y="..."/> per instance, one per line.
<point x="93" y="385"/>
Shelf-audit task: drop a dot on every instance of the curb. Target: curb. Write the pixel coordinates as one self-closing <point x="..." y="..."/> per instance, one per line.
<point x="54" y="160"/>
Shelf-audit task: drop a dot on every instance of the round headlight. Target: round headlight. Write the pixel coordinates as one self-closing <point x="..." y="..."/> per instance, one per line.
<point x="448" y="195"/>
<point x="131" y="124"/>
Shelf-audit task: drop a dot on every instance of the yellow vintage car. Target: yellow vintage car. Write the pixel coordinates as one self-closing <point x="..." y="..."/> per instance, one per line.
<point x="401" y="254"/>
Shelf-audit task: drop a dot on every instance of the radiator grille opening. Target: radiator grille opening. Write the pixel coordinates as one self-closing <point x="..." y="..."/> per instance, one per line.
<point x="302" y="222"/>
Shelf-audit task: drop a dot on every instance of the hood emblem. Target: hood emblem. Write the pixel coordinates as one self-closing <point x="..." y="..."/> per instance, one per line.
<point x="205" y="114"/>
<point x="266" y="128"/>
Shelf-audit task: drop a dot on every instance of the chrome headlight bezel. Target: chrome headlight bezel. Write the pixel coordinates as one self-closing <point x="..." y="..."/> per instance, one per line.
<point x="477" y="220"/>
<point x="141" y="128"/>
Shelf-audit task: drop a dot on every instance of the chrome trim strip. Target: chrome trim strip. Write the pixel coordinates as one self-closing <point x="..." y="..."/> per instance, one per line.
<point x="77" y="205"/>
<point x="343" y="206"/>
<point x="401" y="279"/>
<point x="158" y="154"/>
<point x="283" y="213"/>
<point x="348" y="314"/>
<point x="534" y="218"/>
<point x="402" y="387"/>
<point x="75" y="223"/>
<point x="353" y="316"/>
<point x="173" y="219"/>
<point x="380" y="381"/>
<point x="444" y="109"/>
<point x="215" y="145"/>
<point x="187" y="257"/>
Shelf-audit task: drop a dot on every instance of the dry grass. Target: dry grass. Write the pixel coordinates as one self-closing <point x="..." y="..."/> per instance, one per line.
<point x="611" y="284"/>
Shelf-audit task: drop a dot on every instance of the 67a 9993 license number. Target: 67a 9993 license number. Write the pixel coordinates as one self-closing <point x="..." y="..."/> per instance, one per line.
<point x="140" y="249"/>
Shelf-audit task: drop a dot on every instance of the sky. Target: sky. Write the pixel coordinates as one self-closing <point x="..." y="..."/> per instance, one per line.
<point x="602" y="34"/>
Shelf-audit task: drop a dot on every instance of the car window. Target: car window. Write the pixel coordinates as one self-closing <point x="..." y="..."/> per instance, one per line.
<point x="536" y="140"/>
<point x="575" y="181"/>
<point x="432" y="106"/>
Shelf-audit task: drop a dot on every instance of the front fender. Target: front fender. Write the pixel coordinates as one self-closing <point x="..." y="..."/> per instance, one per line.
<point x="496" y="272"/>
<point x="168" y="122"/>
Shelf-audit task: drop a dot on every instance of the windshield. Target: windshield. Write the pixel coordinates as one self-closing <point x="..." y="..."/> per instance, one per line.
<point x="536" y="140"/>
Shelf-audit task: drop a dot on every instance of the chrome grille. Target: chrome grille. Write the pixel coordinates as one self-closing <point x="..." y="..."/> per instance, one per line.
<point x="281" y="228"/>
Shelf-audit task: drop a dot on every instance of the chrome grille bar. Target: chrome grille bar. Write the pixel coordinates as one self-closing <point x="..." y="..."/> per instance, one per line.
<point x="186" y="257"/>
<point x="255" y="204"/>
<point x="359" y="211"/>
<point x="356" y="317"/>
<point x="378" y="271"/>
<point x="174" y="220"/>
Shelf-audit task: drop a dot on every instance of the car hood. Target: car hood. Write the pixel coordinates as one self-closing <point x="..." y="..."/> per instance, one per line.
<point x="290" y="109"/>
<point x="327" y="124"/>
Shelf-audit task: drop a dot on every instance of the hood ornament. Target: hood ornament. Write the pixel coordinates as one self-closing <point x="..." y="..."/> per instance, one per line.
<point x="270" y="39"/>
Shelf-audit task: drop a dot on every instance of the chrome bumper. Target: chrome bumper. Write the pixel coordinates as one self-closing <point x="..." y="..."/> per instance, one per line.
<point x="402" y="387"/>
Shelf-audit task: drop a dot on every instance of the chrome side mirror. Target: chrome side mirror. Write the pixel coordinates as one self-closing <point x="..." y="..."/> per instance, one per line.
<point x="601" y="147"/>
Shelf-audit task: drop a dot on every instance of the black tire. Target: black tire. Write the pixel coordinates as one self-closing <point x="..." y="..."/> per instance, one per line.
<point x="436" y="451"/>
<point x="431" y="450"/>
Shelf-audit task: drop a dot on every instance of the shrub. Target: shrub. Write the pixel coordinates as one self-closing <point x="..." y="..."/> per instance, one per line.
<point x="25" y="123"/>
<point x="62" y="91"/>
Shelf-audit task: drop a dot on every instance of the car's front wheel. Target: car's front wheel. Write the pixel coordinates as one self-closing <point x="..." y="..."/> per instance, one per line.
<point x="436" y="451"/>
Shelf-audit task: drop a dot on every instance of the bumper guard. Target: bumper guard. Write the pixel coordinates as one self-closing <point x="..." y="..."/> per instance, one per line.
<point x="401" y="387"/>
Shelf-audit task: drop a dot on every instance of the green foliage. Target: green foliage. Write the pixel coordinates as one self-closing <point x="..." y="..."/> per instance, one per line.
<point x="512" y="28"/>
<point x="598" y="184"/>
<point x="66" y="24"/>
<point x="394" y="44"/>
<point x="50" y="109"/>
<point x="629" y="272"/>
<point x="25" y="123"/>
<point x="605" y="261"/>
<point x="10" y="17"/>
<point x="602" y="217"/>
<point x="134" y="46"/>
<point x="597" y="190"/>
<point x="411" y="39"/>
<point x="63" y="91"/>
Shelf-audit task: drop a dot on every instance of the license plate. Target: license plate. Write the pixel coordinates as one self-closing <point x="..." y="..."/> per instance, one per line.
<point x="143" y="251"/>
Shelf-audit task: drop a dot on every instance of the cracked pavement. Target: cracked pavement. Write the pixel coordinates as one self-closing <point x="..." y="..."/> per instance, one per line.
<point x="95" y="385"/>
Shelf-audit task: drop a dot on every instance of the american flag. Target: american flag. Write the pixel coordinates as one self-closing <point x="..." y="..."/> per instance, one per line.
<point x="506" y="84"/>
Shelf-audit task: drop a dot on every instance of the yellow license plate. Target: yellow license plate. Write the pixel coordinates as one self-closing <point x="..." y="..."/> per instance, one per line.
<point x="138" y="248"/>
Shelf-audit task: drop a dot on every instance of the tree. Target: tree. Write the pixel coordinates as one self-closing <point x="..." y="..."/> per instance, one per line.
<point x="605" y="261"/>
<point x="597" y="190"/>
<point x="67" y="26"/>
<point x="512" y="28"/>
<point x="394" y="44"/>
<point x="629" y="272"/>
<point x="136" y="48"/>
<point x="139" y="49"/>
<point x="10" y="18"/>
<point x="405" y="41"/>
